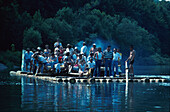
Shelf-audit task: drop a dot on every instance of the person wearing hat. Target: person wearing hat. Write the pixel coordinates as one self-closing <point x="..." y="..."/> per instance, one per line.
<point x="38" y="51"/>
<point x="84" y="49"/>
<point x="93" y="49"/>
<point x="108" y="56"/>
<point x="76" y="50"/>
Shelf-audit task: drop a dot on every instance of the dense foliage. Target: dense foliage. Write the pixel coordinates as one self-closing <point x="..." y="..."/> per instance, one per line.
<point x="10" y="58"/>
<point x="143" y="23"/>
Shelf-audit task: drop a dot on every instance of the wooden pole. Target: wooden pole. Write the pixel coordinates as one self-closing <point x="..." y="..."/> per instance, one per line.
<point x="126" y="71"/>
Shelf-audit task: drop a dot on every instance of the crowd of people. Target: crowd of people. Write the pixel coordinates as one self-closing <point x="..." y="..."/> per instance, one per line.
<point x="70" y="59"/>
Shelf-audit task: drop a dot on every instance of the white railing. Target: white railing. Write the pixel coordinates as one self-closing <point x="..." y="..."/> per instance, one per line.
<point x="22" y="62"/>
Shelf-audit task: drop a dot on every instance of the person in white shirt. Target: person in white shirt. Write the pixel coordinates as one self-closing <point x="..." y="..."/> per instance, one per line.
<point x="84" y="49"/>
<point x="98" y="59"/>
<point x="69" y="49"/>
<point x="116" y="57"/>
<point x="42" y="58"/>
<point x="82" y="67"/>
<point x="93" y="49"/>
<point x="91" y="66"/>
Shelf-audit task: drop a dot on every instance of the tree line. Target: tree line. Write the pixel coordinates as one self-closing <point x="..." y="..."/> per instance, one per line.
<point x="143" y="23"/>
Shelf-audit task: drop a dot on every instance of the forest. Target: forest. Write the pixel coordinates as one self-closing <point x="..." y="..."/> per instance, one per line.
<point x="120" y="23"/>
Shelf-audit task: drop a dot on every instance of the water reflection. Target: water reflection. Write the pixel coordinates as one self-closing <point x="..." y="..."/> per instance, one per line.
<point x="41" y="95"/>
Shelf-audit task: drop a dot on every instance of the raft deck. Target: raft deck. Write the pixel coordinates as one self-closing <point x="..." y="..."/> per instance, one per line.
<point x="73" y="78"/>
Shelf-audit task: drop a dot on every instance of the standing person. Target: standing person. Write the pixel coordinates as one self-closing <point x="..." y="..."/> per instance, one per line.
<point x="98" y="59"/>
<point x="108" y="56"/>
<point x="116" y="57"/>
<point x="84" y="49"/>
<point x="93" y="49"/>
<point x="119" y="60"/>
<point x="27" y="58"/>
<point x="131" y="58"/>
<point x="57" y="44"/>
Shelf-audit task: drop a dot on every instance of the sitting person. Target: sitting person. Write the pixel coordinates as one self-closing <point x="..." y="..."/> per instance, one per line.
<point x="91" y="56"/>
<point x="79" y="58"/>
<point x="53" y="60"/>
<point x="74" y="57"/>
<point x="82" y="68"/>
<point x="68" y="63"/>
<point x="91" y="66"/>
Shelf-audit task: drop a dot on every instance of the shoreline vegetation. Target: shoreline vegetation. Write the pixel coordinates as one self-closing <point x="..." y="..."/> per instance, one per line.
<point x="10" y="59"/>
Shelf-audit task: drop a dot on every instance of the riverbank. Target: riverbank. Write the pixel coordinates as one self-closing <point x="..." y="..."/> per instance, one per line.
<point x="10" y="59"/>
<point x="2" y="67"/>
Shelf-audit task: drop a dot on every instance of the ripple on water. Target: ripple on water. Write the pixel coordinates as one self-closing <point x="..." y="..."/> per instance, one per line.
<point x="9" y="83"/>
<point x="157" y="107"/>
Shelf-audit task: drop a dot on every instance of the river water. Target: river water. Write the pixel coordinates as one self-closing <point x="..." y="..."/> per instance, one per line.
<point x="28" y="94"/>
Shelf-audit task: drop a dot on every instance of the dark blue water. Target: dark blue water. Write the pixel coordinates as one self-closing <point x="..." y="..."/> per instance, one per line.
<point x="32" y="94"/>
<point x="26" y="94"/>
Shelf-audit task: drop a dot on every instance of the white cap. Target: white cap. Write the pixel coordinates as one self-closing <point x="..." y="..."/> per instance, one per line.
<point x="56" y="49"/>
<point x="75" y="48"/>
<point x="38" y="48"/>
<point x="94" y="44"/>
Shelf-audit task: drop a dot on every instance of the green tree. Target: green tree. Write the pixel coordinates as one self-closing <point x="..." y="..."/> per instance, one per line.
<point x="32" y="38"/>
<point x="129" y="33"/>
